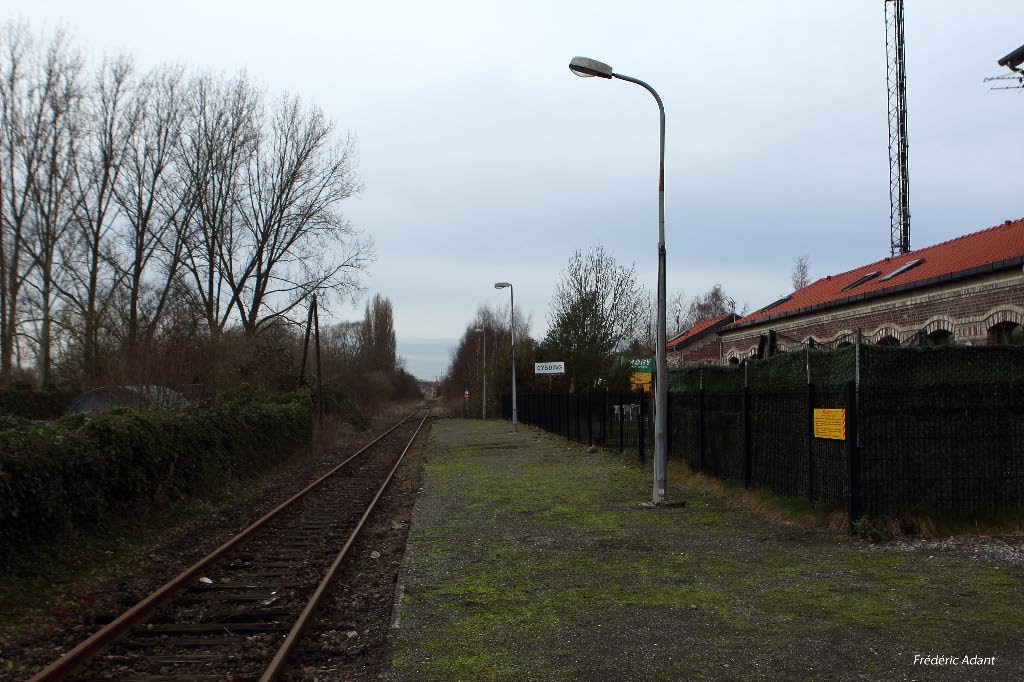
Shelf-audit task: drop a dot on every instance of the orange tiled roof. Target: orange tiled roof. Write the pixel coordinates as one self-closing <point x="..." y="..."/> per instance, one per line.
<point x="988" y="250"/>
<point x="696" y="330"/>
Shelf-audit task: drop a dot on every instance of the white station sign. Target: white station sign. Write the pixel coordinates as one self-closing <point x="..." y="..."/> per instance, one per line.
<point x="549" y="368"/>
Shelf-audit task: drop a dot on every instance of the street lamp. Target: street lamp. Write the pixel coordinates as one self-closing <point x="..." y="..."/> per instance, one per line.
<point x="512" y="299"/>
<point x="582" y="66"/>
<point x="483" y="408"/>
<point x="1013" y="60"/>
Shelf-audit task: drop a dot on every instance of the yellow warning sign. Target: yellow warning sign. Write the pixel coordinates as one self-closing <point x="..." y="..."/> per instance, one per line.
<point x="641" y="381"/>
<point x="830" y="423"/>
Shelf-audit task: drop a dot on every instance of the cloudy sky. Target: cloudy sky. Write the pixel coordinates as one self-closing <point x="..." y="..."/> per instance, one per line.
<point x="485" y="159"/>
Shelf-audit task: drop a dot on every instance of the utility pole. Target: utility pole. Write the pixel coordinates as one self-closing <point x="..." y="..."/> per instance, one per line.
<point x="899" y="181"/>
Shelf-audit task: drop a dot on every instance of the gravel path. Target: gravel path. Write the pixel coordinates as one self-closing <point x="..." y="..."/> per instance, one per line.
<point x="531" y="559"/>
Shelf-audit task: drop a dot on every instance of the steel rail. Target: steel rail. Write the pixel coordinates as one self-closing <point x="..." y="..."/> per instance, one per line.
<point x="73" y="660"/>
<point x="276" y="667"/>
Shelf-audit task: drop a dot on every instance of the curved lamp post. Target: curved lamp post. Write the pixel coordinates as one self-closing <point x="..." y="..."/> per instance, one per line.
<point x="582" y="66"/>
<point x="512" y="299"/>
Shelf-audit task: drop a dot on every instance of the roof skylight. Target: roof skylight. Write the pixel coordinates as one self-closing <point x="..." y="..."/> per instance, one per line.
<point x="861" y="280"/>
<point x="903" y="268"/>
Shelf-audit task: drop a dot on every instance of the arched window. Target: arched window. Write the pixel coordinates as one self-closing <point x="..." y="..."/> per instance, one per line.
<point x="1009" y="333"/>
<point x="888" y="341"/>
<point x="939" y="337"/>
<point x="734" y="360"/>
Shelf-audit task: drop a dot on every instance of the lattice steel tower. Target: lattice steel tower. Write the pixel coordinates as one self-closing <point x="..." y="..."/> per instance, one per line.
<point x="899" y="194"/>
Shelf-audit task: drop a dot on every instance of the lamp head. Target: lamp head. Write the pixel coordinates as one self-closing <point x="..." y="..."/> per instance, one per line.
<point x="478" y="329"/>
<point x="501" y="285"/>
<point x="1014" y="59"/>
<point x="585" y="67"/>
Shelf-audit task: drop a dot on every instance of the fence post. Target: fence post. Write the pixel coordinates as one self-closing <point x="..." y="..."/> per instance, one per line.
<point x="853" y="453"/>
<point x="640" y="428"/>
<point x="566" y="425"/>
<point x="700" y="428"/>
<point x="579" y="435"/>
<point x="590" y="418"/>
<point x="568" y="415"/>
<point x="622" y="423"/>
<point x="604" y="419"/>
<point x="810" y="443"/>
<point x="747" y="456"/>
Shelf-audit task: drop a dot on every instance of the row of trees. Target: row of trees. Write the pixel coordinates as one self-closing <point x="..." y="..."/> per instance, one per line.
<point x="142" y="210"/>
<point x="598" y="313"/>
<point x="360" y="359"/>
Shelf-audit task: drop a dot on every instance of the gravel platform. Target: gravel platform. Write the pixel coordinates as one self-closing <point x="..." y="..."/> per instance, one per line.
<point x="530" y="558"/>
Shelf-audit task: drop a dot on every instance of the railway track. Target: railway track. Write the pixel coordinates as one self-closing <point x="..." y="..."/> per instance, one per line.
<point x="238" y="613"/>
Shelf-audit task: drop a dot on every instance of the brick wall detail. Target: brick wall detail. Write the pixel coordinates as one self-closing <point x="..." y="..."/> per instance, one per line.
<point x="967" y="309"/>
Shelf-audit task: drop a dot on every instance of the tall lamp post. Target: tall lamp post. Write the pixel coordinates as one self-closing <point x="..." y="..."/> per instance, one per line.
<point x="582" y="66"/>
<point x="512" y="316"/>
<point x="483" y="407"/>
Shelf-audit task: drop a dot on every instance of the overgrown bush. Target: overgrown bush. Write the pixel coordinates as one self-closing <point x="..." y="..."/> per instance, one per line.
<point x="21" y="400"/>
<point x="80" y="471"/>
<point x="337" y="401"/>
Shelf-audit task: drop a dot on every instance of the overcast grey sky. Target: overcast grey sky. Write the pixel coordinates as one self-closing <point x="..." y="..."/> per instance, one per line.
<point x="485" y="159"/>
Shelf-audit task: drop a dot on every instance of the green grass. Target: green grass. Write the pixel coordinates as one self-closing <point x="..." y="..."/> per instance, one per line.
<point x="537" y="563"/>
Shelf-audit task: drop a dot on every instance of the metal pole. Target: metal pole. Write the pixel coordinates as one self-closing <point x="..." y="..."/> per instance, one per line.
<point x="305" y="344"/>
<point x="661" y="387"/>
<point x="483" y="405"/>
<point x="319" y="375"/>
<point x="515" y="407"/>
<point x="485" y="375"/>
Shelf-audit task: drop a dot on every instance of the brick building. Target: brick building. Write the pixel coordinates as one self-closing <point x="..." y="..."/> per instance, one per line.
<point x="969" y="290"/>
<point x="700" y="344"/>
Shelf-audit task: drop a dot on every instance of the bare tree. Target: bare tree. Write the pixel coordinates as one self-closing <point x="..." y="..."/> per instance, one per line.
<point x="58" y="127"/>
<point x="597" y="307"/>
<point x="155" y="201"/>
<point x="216" y="149"/>
<point x="342" y="342"/>
<point x="294" y="241"/>
<point x="111" y="119"/>
<point x="676" y="313"/>
<point x="22" y="106"/>
<point x="465" y="369"/>
<point x="708" y="305"/>
<point x="377" y="336"/>
<point x="800" y="276"/>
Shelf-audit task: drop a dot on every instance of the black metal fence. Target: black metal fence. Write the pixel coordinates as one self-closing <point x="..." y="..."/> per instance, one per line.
<point x="766" y="439"/>
<point x="952" y="450"/>
<point x="614" y="419"/>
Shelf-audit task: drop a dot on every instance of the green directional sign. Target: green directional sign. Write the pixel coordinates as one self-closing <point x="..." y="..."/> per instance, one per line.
<point x="640" y="365"/>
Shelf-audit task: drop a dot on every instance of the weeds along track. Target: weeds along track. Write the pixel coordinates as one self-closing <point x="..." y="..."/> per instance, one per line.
<point x="238" y="613"/>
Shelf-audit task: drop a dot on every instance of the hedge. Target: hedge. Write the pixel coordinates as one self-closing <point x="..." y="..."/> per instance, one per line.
<point x="904" y="368"/>
<point x="19" y="400"/>
<point x="79" y="472"/>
